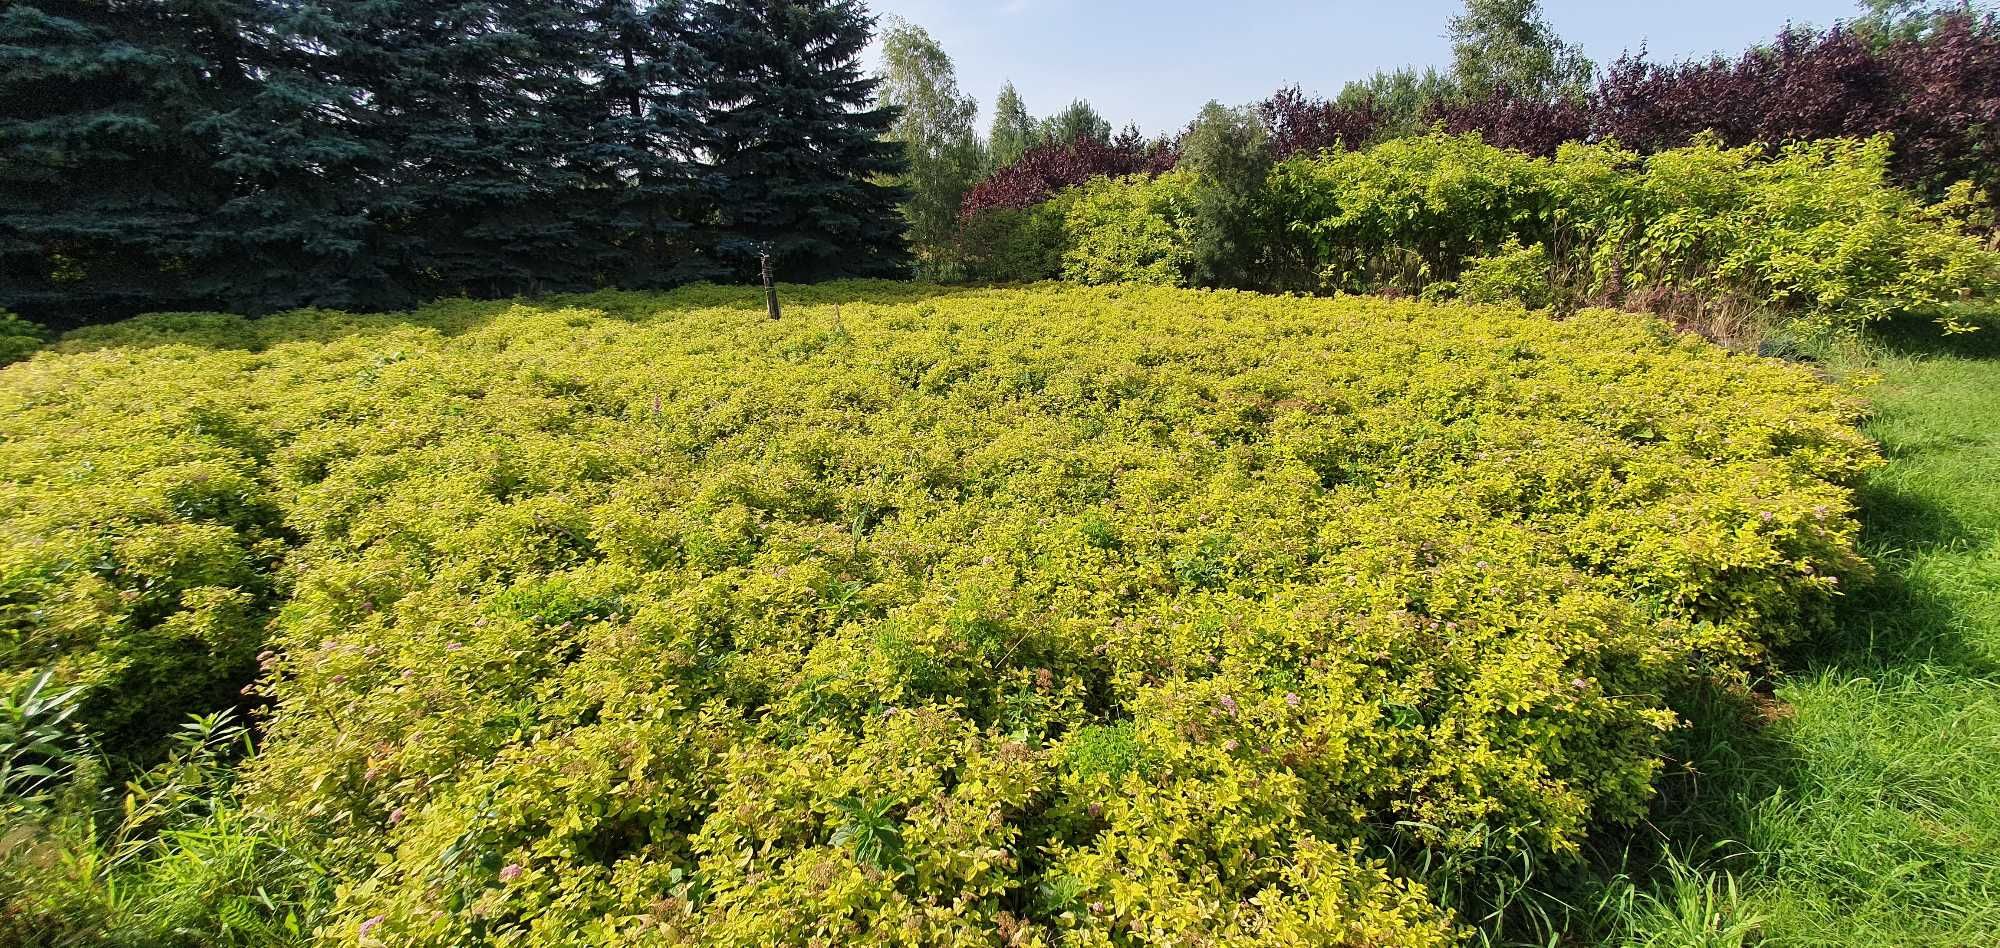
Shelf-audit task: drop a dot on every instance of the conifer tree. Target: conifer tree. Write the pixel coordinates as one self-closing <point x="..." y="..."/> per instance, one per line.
<point x="650" y="134"/>
<point x="254" y="155"/>
<point x="796" y="141"/>
<point x="1079" y="120"/>
<point x="298" y="227"/>
<point x="484" y="115"/>
<point x="487" y="148"/>
<point x="103" y="175"/>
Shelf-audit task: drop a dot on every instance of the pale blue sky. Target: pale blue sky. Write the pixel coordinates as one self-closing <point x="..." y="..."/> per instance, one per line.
<point x="1156" y="61"/>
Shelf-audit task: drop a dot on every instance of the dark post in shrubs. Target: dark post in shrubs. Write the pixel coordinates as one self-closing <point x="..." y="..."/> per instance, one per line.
<point x="770" y="289"/>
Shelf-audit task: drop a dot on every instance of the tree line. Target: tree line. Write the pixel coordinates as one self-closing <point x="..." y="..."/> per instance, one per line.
<point x="256" y="155"/>
<point x="1497" y="45"/>
<point x="948" y="157"/>
<point x="1921" y="71"/>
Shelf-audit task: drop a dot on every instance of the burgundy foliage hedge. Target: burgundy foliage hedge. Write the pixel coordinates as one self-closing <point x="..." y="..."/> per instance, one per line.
<point x="1939" y="95"/>
<point x="1300" y="124"/>
<point x="1048" y="169"/>
<point x="1506" y="120"/>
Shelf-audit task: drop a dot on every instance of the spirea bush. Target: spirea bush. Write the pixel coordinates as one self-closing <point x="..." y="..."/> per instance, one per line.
<point x="1079" y="616"/>
<point x="139" y="540"/>
<point x="1816" y="230"/>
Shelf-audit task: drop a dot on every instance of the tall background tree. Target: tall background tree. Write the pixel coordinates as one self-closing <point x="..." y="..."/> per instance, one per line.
<point x="1014" y="130"/>
<point x="1398" y="98"/>
<point x="650" y="180"/>
<point x="1509" y="45"/>
<point x="1228" y="151"/>
<point x="300" y="225"/>
<point x="1886" y="20"/>
<point x="934" y="123"/>
<point x="1077" y="121"/>
<point x="486" y="115"/>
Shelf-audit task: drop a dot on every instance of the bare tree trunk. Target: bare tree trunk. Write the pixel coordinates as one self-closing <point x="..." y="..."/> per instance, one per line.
<point x="770" y="290"/>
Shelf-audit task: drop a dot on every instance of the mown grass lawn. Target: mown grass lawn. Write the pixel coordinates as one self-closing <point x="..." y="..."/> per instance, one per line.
<point x="1867" y="812"/>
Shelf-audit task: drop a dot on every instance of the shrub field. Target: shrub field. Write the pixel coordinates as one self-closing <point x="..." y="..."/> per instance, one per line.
<point x="1072" y="615"/>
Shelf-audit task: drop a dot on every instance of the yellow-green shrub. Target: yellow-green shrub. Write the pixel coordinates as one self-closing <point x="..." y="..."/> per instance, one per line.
<point x="1408" y="212"/>
<point x="1074" y="616"/>
<point x="1814" y="230"/>
<point x="1511" y="274"/>
<point x="1131" y="230"/>
<point x="139" y="539"/>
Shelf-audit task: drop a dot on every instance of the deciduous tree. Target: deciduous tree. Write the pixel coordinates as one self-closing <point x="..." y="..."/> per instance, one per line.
<point x="1509" y="44"/>
<point x="1229" y="152"/>
<point x="934" y="123"/>
<point x="1014" y="130"/>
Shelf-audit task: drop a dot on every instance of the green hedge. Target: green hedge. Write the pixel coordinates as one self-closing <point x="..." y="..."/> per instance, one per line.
<point x="1008" y="245"/>
<point x="1814" y="232"/>
<point x="925" y="616"/>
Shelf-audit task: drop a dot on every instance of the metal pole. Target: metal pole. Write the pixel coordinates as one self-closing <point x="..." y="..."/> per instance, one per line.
<point x="770" y="291"/>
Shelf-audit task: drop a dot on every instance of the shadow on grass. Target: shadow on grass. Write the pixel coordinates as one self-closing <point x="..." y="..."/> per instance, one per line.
<point x="1922" y="338"/>
<point x="452" y="317"/>
<point x="1737" y="755"/>
<point x="1899" y="620"/>
<point x="1735" y="751"/>
<point x="1740" y="754"/>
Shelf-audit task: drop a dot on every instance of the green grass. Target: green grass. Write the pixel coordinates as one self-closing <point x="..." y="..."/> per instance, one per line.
<point x="1859" y="803"/>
